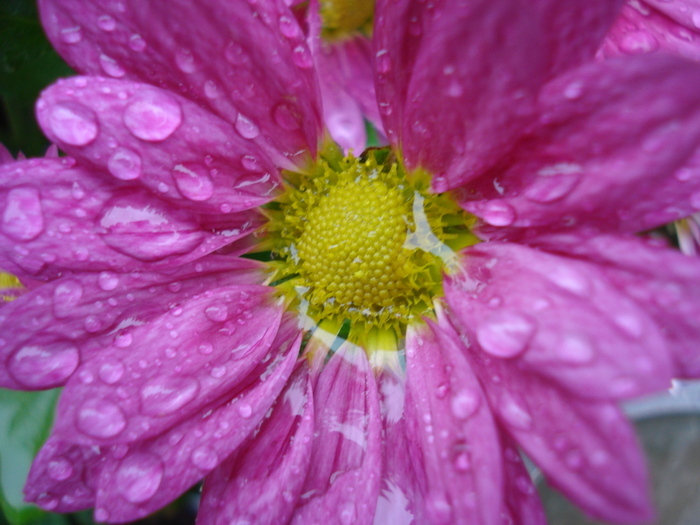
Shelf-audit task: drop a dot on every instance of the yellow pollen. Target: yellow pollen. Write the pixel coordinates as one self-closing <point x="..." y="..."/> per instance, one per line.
<point x="344" y="17"/>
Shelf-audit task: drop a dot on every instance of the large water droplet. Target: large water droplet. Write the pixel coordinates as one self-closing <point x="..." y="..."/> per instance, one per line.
<point x="100" y="418"/>
<point x="111" y="67"/>
<point x="347" y="513"/>
<point x="152" y="115"/>
<point x="638" y="42"/>
<point x="289" y="27"/>
<point x="505" y="334"/>
<point x="465" y="403"/>
<point x="59" y="469"/>
<point x="167" y="394"/>
<point x="301" y="57"/>
<point x="66" y="297"/>
<point x="205" y="458"/>
<point x="245" y="410"/>
<point x="217" y="313"/>
<point x="498" y="213"/>
<point x="514" y="414"/>
<point x="575" y="349"/>
<point x="107" y="281"/>
<point x="139" y="477"/>
<point x="43" y="366"/>
<point x="111" y="372"/>
<point x="211" y="89"/>
<point x="23" y="218"/>
<point x="246" y="127"/>
<point x="185" y="61"/>
<point x="125" y="164"/>
<point x="106" y="23"/>
<point x="73" y="123"/>
<point x="193" y="181"/>
<point x="71" y="35"/>
<point x="137" y="43"/>
<point x="554" y="182"/>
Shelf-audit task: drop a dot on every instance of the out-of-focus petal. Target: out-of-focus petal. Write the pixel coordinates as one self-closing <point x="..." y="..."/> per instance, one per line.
<point x="56" y="216"/>
<point x="641" y="28"/>
<point x="664" y="282"/>
<point x="522" y="501"/>
<point x="448" y="415"/>
<point x="616" y="149"/>
<point x="144" y="135"/>
<point x="262" y="481"/>
<point x="427" y="53"/>
<point x="245" y="61"/>
<point x="5" y="155"/>
<point x="154" y="472"/>
<point x="346" y="463"/>
<point x="567" y="319"/>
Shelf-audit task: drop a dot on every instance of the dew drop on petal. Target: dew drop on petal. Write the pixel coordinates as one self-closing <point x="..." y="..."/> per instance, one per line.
<point x="71" y="35"/>
<point x="211" y="90"/>
<point x="505" y="334"/>
<point x="139" y="476"/>
<point x="107" y="281"/>
<point x="301" y="57"/>
<point x="23" y="218"/>
<point x="289" y="27"/>
<point x="125" y="164"/>
<point x="111" y="67"/>
<point x="153" y="115"/>
<point x="245" y="410"/>
<point x="43" y="366"/>
<point x="205" y="458"/>
<point x="65" y="297"/>
<point x="185" y="61"/>
<point x="166" y="395"/>
<point x="347" y="513"/>
<point x="206" y="349"/>
<point x="123" y="340"/>
<point x="111" y="372"/>
<point x="575" y="349"/>
<point x="287" y="116"/>
<point x="246" y="128"/>
<point x="498" y="213"/>
<point x="193" y="181"/>
<point x="383" y="61"/>
<point x="465" y="403"/>
<point x="59" y="469"/>
<point x="217" y="313"/>
<point x="100" y="418"/>
<point x="514" y="414"/>
<point x="106" y="23"/>
<point x="73" y="123"/>
<point x="137" y="43"/>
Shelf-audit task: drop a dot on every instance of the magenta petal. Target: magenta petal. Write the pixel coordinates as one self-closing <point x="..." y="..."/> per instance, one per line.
<point x="456" y="52"/>
<point x="231" y="57"/>
<point x="561" y="317"/>
<point x="5" y="155"/>
<point x="346" y="463"/>
<point x="616" y="149"/>
<point x="455" y="431"/>
<point x="154" y="472"/>
<point x="521" y="498"/>
<point x="177" y="362"/>
<point x="586" y="449"/>
<point x="147" y="136"/>
<point x="262" y="481"/>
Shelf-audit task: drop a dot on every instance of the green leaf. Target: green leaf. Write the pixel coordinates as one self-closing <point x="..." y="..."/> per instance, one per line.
<point x="25" y="421"/>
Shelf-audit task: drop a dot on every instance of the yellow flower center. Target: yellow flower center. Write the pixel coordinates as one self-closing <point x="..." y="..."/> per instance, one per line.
<point x="344" y="17"/>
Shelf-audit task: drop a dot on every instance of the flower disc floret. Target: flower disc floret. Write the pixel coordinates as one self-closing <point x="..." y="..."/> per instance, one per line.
<point x="345" y="17"/>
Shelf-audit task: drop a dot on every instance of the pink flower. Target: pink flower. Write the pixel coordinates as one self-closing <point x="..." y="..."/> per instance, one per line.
<point x="194" y="139"/>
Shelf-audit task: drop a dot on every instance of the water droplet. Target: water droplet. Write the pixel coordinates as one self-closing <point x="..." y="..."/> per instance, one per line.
<point x="289" y="27"/>
<point x="205" y="458"/>
<point x="514" y="414"/>
<point x="100" y="418"/>
<point x="66" y="297"/>
<point x="112" y="372"/>
<point x="137" y="43"/>
<point x="574" y="90"/>
<point x="460" y="460"/>
<point x="59" y="469"/>
<point x="185" y="61"/>
<point x="111" y="67"/>
<point x="245" y="410"/>
<point x="235" y="54"/>
<point x="23" y="218"/>
<point x="348" y="514"/>
<point x="218" y="372"/>
<point x="211" y="90"/>
<point x="123" y="340"/>
<point x="301" y="57"/>
<point x="92" y="324"/>
<point x="287" y="116"/>
<point x="251" y="163"/>
<point x="106" y="23"/>
<point x="153" y="115"/>
<point x="86" y="376"/>
<point x="125" y="164"/>
<point x="246" y="128"/>
<point x="107" y="281"/>
<point x="383" y="62"/>
<point x="569" y="279"/>
<point x="71" y="35"/>
<point x="637" y="42"/>
<point x="505" y="334"/>
<point x="217" y="313"/>
<point x="193" y="181"/>
<point x="73" y="123"/>
<point x="139" y="476"/>
<point x="498" y="213"/>
<point x="205" y="349"/>
<point x="465" y="403"/>
<point x="43" y="366"/>
<point x="575" y="349"/>
<point x="167" y="394"/>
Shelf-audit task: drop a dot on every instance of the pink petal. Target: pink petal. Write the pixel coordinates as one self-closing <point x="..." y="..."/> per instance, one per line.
<point x="564" y="318"/>
<point x="616" y="149"/>
<point x="231" y="57"/>
<point x="177" y="362"/>
<point x="586" y="449"/>
<point x="454" y="430"/>
<point x="346" y="463"/>
<point x="262" y="482"/>
<point x="641" y="29"/>
<point x="56" y="216"/>
<point x="664" y="282"/>
<point x="154" y="472"/>
<point x="459" y="53"/>
<point x="5" y="155"/>
<point x="147" y="136"/>
<point x="686" y="13"/>
<point x="521" y="498"/>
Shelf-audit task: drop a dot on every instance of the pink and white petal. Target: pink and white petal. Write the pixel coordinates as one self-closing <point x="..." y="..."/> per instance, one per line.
<point x="248" y="485"/>
<point x="51" y="329"/>
<point x="57" y="216"/>
<point x="342" y="484"/>
<point x="460" y="446"/>
<point x="146" y="136"/>
<point x="641" y="28"/>
<point x="616" y="149"/>
<point x="154" y="472"/>
<point x="586" y="449"/>
<point x="663" y="281"/>
<point x="458" y="52"/>
<point x="562" y="317"/>
<point x="247" y="63"/>
<point x="174" y="365"/>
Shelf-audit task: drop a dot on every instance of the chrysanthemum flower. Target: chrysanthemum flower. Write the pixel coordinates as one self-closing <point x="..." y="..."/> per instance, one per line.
<point x="402" y="320"/>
